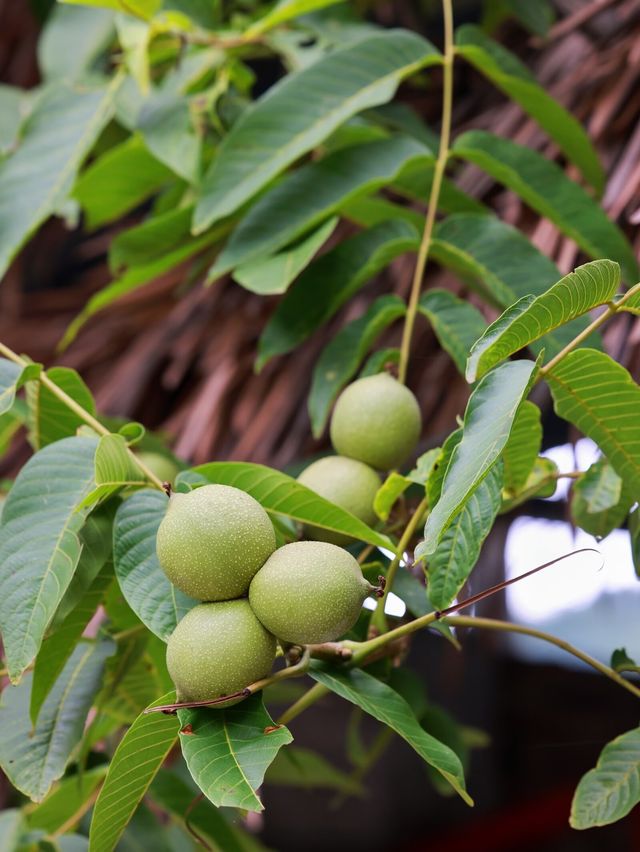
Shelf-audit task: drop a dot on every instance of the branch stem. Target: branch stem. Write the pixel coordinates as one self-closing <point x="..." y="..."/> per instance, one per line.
<point x="72" y="405"/>
<point x="434" y="196"/>
<point x="310" y="697"/>
<point x="510" y="627"/>
<point x="392" y="570"/>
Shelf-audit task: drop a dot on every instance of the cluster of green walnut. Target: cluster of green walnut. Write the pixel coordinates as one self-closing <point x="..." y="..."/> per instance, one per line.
<point x="217" y="545"/>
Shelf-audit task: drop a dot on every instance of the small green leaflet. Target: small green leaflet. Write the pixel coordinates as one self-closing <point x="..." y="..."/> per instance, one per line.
<point x="156" y="602"/>
<point x="509" y="74"/>
<point x="12" y="378"/>
<point x="34" y="760"/>
<point x="448" y="568"/>
<point x="532" y="317"/>
<point x="610" y="790"/>
<point x="390" y="708"/>
<point x="488" y="421"/>
<point x="600" y="397"/>
<point x="310" y="195"/>
<point x="600" y="501"/>
<point x="455" y="322"/>
<point x="329" y="282"/>
<point x="48" y="418"/>
<point x="37" y="569"/>
<point x="228" y="750"/>
<point x="545" y="187"/>
<point x="137" y="759"/>
<point x="274" y="274"/>
<point x="522" y="448"/>
<point x="291" y="119"/>
<point x="115" y="469"/>
<point x="36" y="179"/>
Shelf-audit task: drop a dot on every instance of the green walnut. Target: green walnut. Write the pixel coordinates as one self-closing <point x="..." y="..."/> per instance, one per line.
<point x="347" y="483"/>
<point x="376" y="420"/>
<point x="309" y="592"/>
<point x="218" y="649"/>
<point x="164" y="468"/>
<point x="212" y="541"/>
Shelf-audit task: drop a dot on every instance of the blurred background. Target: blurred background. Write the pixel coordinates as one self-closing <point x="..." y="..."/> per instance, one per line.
<point x="179" y="358"/>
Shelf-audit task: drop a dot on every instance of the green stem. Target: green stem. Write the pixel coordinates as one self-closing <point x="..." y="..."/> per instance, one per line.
<point x="404" y="542"/>
<point x="77" y="409"/>
<point x="310" y="697"/>
<point x="611" y="310"/>
<point x="510" y="627"/>
<point x="434" y="197"/>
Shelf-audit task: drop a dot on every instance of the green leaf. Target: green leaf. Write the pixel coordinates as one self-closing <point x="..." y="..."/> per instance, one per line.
<point x="388" y="707"/>
<point x="634" y="532"/>
<point x="329" y="282"/>
<point x="622" y="662"/>
<point x="601" y="399"/>
<point x="502" y="264"/>
<point x="439" y="467"/>
<point x="114" y="468"/>
<point x="388" y="494"/>
<point x="269" y="275"/>
<point x="137" y="759"/>
<point x="306" y="197"/>
<point x="523" y="446"/>
<point x="58" y="647"/>
<point x="12" y="377"/>
<point x="532" y="317"/>
<point x="140" y="8"/>
<point x="68" y="801"/>
<point x="11" y="829"/>
<point x="166" y="123"/>
<point x="89" y="31"/>
<point x="156" y="602"/>
<point x="35" y="181"/>
<point x="541" y="482"/>
<point x="96" y="540"/>
<point x="306" y="770"/>
<point x="456" y="323"/>
<point x="152" y="239"/>
<point x="176" y="797"/>
<point x="608" y="792"/>
<point x="37" y="568"/>
<point x="448" y="568"/>
<point x="48" y="418"/>
<point x="599" y="500"/>
<point x="536" y="17"/>
<point x="286" y="10"/>
<point x="134" y="278"/>
<point x="131" y="682"/>
<point x="34" y="760"/>
<point x="378" y="361"/>
<point x="340" y="359"/>
<point x="281" y="495"/>
<point x="228" y="751"/>
<point x="513" y="78"/>
<point x="303" y="109"/>
<point x="13" y="107"/>
<point x="488" y="419"/>
<point x="119" y="181"/>
<point x="548" y="190"/>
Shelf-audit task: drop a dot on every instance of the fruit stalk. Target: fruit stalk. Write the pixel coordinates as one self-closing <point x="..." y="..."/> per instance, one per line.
<point x="434" y="197"/>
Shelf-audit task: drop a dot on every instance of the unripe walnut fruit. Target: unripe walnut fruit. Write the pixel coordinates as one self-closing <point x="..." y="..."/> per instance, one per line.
<point x="218" y="649"/>
<point x="309" y="592"/>
<point x="377" y="421"/>
<point x="212" y="541"/>
<point x="349" y="484"/>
